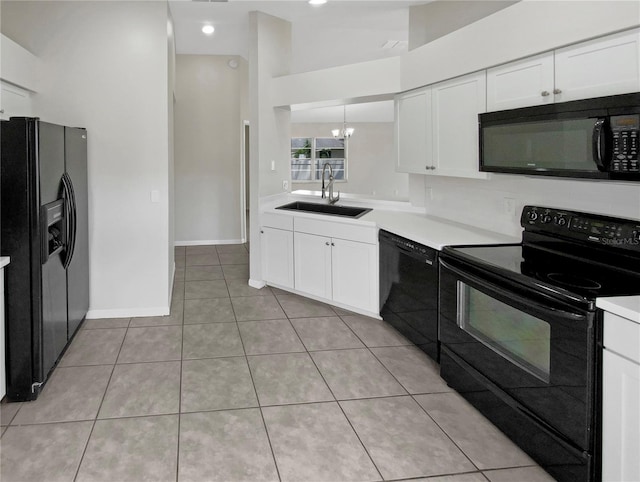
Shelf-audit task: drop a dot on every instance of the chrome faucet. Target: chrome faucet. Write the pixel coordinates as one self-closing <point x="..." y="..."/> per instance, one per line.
<point x="331" y="199"/>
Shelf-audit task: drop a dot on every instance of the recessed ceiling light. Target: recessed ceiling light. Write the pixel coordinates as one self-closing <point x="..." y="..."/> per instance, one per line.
<point x="208" y="29"/>
<point x="317" y="2"/>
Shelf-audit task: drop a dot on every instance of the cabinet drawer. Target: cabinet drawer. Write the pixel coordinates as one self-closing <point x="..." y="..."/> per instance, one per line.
<point x="278" y="221"/>
<point x="622" y="336"/>
<point x="352" y="232"/>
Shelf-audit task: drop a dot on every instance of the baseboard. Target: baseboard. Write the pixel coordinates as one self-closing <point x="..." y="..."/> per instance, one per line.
<point x="257" y="284"/>
<point x="208" y="242"/>
<point x="128" y="313"/>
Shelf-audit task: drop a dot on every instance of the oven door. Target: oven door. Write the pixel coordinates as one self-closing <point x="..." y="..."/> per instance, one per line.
<point x="534" y="351"/>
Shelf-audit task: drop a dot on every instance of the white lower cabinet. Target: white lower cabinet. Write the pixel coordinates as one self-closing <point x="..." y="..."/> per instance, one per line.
<point x="344" y="271"/>
<point x="331" y="261"/>
<point x="354" y="268"/>
<point x="621" y="400"/>
<point x="277" y="256"/>
<point x="313" y="264"/>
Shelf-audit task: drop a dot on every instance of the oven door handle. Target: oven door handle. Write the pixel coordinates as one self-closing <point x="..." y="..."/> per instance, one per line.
<point x="513" y="298"/>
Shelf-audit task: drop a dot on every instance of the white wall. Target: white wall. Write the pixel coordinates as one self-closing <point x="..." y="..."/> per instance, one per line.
<point x="373" y="80"/>
<point x="208" y="149"/>
<point x="371" y="167"/>
<point x="269" y="56"/>
<point x="171" y="86"/>
<point x="432" y="20"/>
<point x="523" y="29"/>
<point x="482" y="203"/>
<point x="104" y="67"/>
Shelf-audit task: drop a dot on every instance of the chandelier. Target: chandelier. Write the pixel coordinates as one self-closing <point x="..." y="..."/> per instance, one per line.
<point x="345" y="132"/>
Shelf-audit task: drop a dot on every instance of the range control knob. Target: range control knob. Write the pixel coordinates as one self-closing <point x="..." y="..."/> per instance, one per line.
<point x="532" y="215"/>
<point x="560" y="221"/>
<point x="546" y="219"/>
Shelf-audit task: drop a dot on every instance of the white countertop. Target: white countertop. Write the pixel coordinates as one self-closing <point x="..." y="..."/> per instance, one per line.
<point x="402" y="219"/>
<point x="4" y="260"/>
<point x="624" y="306"/>
<point x="432" y="231"/>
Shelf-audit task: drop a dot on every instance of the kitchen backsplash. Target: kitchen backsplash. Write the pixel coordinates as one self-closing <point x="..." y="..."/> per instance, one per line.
<point x="496" y="203"/>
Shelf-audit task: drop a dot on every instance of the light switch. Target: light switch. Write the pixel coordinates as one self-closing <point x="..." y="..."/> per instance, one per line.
<point x="155" y="196"/>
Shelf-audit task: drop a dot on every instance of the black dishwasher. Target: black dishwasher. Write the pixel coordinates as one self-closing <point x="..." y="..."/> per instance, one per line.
<point x="409" y="290"/>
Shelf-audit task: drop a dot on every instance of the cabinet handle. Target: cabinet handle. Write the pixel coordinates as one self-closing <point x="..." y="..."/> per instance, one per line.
<point x="261" y="231"/>
<point x="544" y="93"/>
<point x="327" y="243"/>
<point x="1" y="111"/>
<point x="557" y="91"/>
<point x="332" y="244"/>
<point x="430" y="168"/>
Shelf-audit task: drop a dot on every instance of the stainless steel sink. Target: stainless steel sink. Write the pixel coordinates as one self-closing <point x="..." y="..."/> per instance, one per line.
<point x="329" y="209"/>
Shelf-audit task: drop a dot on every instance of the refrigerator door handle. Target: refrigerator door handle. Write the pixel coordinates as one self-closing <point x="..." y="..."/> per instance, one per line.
<point x="70" y="224"/>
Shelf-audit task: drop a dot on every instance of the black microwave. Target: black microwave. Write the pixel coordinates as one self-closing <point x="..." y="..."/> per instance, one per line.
<point x="594" y="138"/>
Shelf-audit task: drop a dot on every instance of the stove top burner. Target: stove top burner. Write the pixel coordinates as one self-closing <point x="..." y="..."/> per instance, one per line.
<point x="574" y="281"/>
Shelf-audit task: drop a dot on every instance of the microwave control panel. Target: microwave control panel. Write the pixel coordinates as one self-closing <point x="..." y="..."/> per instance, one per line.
<point x="625" y="130"/>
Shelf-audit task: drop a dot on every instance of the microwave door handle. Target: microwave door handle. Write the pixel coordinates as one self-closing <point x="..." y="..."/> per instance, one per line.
<point x="598" y="143"/>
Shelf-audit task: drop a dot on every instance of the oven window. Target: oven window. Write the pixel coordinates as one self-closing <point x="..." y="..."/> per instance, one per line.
<point x="517" y="336"/>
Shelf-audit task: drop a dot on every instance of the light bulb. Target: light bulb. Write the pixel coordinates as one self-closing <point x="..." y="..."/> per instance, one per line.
<point x="208" y="29"/>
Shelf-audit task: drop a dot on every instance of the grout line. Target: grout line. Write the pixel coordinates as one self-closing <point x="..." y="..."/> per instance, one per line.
<point x="184" y="287"/>
<point x="253" y="383"/>
<point x="343" y="412"/>
<point x="104" y="395"/>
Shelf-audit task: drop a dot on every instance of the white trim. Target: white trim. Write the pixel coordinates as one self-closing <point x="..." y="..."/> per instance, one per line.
<point x="128" y="313"/>
<point x="243" y="181"/>
<point x="207" y="242"/>
<point x="257" y="284"/>
<point x="172" y="280"/>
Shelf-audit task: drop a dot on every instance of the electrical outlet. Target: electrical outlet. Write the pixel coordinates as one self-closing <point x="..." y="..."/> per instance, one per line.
<point x="509" y="206"/>
<point x="285" y="185"/>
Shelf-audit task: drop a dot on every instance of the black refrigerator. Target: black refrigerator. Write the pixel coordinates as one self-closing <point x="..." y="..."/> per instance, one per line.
<point x="44" y="229"/>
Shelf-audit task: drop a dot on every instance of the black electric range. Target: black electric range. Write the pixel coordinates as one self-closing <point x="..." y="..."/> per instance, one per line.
<point x="520" y="333"/>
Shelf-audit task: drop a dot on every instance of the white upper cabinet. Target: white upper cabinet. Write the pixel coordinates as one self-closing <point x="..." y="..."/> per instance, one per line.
<point x="520" y="84"/>
<point x="437" y="127"/>
<point x="414" y="131"/>
<point x="605" y="66"/>
<point x="600" y="67"/>
<point x="456" y="105"/>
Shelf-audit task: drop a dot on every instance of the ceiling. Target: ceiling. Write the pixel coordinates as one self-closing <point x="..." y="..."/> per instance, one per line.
<point x="338" y="33"/>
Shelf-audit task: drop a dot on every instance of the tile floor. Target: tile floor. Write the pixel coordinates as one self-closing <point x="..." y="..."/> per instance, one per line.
<point x="247" y="385"/>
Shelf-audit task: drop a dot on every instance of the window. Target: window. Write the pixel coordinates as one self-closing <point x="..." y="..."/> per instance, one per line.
<point x="309" y="155"/>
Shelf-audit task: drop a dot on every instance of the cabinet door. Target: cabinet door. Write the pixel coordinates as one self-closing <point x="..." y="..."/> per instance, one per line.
<point x="456" y="105"/>
<point x="520" y="84"/>
<point x="600" y="67"/>
<point x="414" y="132"/>
<point x="621" y="418"/>
<point x="355" y="274"/>
<point x="313" y="264"/>
<point x="277" y="257"/>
